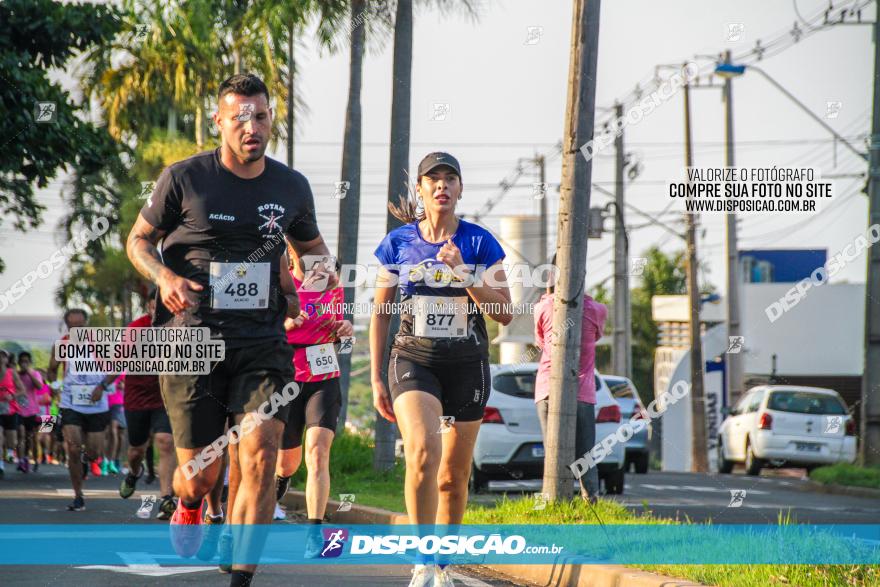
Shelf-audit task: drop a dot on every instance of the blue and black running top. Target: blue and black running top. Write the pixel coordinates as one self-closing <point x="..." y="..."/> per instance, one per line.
<point x="406" y="254"/>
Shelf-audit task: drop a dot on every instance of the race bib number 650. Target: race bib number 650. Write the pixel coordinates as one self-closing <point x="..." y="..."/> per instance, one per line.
<point x="322" y="359"/>
<point x="240" y="286"/>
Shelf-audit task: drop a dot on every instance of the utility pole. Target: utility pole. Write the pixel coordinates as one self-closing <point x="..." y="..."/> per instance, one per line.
<point x="290" y="100"/>
<point x="734" y="360"/>
<point x="574" y="207"/>
<point x="621" y="358"/>
<point x="541" y="162"/>
<point x="870" y="416"/>
<point x="700" y="457"/>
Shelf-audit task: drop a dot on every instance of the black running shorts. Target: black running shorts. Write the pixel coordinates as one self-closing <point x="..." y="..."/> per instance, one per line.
<point x="198" y="405"/>
<point x="30" y="423"/>
<point x="88" y="422"/>
<point x="317" y="404"/>
<point x="9" y="421"/>
<point x="142" y="422"/>
<point x="463" y="389"/>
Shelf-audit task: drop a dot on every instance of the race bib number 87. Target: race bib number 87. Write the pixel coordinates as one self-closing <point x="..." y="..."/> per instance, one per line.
<point x="240" y="286"/>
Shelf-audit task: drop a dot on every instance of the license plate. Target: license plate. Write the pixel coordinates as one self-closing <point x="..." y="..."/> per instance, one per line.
<point x="807" y="446"/>
<point x="538" y="451"/>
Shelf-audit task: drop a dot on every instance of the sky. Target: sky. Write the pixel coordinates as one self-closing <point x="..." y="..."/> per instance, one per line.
<point x="506" y="89"/>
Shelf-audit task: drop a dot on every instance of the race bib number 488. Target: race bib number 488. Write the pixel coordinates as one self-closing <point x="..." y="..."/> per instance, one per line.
<point x="240" y="286"/>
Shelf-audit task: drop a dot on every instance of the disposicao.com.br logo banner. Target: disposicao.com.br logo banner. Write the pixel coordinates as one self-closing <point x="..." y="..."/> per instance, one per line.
<point x="103" y="544"/>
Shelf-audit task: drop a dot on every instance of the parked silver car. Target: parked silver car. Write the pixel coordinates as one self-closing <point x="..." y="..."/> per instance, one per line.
<point x="638" y="451"/>
<point x="510" y="445"/>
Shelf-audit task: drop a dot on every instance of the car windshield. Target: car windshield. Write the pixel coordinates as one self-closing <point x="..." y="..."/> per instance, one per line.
<point x="515" y="384"/>
<point x="805" y="402"/>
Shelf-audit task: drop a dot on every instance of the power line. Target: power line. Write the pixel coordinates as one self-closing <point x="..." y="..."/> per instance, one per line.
<point x="760" y="51"/>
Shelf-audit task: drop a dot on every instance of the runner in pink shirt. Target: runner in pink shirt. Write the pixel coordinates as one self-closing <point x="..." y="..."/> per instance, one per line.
<point x="11" y="389"/>
<point x="115" y="401"/>
<point x="594" y="315"/>
<point x="29" y="410"/>
<point x="315" y="336"/>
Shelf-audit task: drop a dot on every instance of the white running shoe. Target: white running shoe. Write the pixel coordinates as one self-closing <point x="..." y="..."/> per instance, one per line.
<point x="423" y="576"/>
<point x="443" y="577"/>
<point x="279" y="513"/>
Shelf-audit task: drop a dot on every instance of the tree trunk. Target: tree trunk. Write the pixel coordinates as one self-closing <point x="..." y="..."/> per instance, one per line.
<point x="574" y="206"/>
<point x="291" y="70"/>
<point x="172" y="122"/>
<point x="236" y="59"/>
<point x="349" y="206"/>
<point x="401" y="94"/>
<point x="200" y="125"/>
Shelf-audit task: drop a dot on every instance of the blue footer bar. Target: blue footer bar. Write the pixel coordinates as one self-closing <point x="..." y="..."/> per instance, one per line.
<point x="114" y="544"/>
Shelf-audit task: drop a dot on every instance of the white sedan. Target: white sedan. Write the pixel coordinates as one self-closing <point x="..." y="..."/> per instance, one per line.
<point x="510" y="445"/>
<point x="787" y="425"/>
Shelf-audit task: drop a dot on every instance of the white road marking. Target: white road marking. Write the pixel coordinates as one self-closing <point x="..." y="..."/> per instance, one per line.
<point x="147" y="570"/>
<point x="88" y="492"/>
<point x="146" y="565"/>
<point x="469" y="581"/>
<point x="697" y="488"/>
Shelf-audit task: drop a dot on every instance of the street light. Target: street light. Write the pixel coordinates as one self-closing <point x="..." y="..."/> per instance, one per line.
<point x="729" y="70"/>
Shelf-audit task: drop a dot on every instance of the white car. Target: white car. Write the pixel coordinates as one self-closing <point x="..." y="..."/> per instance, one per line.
<point x="638" y="448"/>
<point x="510" y="445"/>
<point x="786" y="425"/>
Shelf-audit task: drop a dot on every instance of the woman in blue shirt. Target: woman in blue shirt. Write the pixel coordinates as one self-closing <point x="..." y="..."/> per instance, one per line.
<point x="450" y="275"/>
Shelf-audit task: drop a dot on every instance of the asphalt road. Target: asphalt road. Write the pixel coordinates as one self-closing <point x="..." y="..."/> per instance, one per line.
<point x="42" y="497"/>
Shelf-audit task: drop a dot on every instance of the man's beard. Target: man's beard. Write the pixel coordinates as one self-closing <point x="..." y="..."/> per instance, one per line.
<point x="251" y="156"/>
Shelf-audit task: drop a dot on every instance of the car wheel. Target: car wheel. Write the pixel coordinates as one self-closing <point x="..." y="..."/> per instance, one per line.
<point x="479" y="481"/>
<point x="753" y="464"/>
<point x="614" y="482"/>
<point x="641" y="463"/>
<point x="724" y="466"/>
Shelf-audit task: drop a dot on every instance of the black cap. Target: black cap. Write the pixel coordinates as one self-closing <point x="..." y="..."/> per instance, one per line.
<point x="436" y="159"/>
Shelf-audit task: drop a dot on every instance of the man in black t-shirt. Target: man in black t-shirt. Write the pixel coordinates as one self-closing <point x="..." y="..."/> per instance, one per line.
<point x="222" y="217"/>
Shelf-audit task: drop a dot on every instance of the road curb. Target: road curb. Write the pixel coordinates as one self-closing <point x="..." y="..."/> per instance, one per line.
<point x="561" y="574"/>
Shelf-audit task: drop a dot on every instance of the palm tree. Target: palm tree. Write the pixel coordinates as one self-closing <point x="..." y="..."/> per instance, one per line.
<point x="156" y="79"/>
<point x="349" y="206"/>
<point x="145" y="82"/>
<point x="361" y="18"/>
<point x="398" y="163"/>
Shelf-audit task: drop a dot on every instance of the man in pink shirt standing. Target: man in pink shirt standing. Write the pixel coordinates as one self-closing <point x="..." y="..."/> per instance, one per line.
<point x="591" y="331"/>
